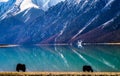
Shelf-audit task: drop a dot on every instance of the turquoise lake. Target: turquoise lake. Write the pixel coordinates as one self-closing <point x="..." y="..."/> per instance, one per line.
<point x="61" y="58"/>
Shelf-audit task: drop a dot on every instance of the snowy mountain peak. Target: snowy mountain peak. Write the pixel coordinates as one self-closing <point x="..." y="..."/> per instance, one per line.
<point x="26" y="4"/>
<point x="3" y="0"/>
<point x="49" y="3"/>
<point x="78" y="1"/>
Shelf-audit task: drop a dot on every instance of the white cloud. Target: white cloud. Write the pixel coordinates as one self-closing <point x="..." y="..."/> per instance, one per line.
<point x="4" y="0"/>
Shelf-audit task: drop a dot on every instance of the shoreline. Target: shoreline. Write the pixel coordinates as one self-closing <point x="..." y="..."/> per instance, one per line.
<point x="101" y="43"/>
<point x="81" y="44"/>
<point x="58" y="73"/>
<point x="64" y="44"/>
<point x="7" y="45"/>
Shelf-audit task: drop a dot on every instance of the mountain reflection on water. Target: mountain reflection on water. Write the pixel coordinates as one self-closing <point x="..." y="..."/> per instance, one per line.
<point x="61" y="58"/>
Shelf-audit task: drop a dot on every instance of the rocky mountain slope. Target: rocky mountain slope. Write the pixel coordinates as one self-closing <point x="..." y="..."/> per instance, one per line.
<point x="67" y="21"/>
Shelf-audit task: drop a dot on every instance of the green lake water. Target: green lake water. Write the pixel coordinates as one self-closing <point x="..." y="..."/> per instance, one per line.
<point x="61" y="58"/>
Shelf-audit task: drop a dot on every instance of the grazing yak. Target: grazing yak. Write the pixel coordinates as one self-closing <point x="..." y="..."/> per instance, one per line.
<point x="87" y="68"/>
<point x="20" y="67"/>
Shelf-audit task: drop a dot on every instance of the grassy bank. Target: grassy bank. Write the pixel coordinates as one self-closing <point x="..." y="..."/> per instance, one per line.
<point x="58" y="73"/>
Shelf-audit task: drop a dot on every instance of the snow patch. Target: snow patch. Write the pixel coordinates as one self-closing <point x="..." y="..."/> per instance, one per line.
<point x="62" y="31"/>
<point x="78" y="1"/>
<point x="107" y="23"/>
<point x="109" y="3"/>
<point x="81" y="30"/>
<point x="4" y="0"/>
<point x="45" y="6"/>
<point x="27" y="18"/>
<point x="49" y="3"/>
<point x="27" y="4"/>
<point x="85" y="2"/>
<point x="26" y="12"/>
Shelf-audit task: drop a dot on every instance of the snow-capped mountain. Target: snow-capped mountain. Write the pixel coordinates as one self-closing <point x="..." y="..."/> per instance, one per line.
<point x="15" y="7"/>
<point x="45" y="4"/>
<point x="3" y="0"/>
<point x="66" y="21"/>
<point x="5" y="5"/>
<point x="25" y="4"/>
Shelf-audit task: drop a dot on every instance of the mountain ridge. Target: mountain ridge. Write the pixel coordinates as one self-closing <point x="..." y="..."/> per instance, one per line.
<point x="66" y="22"/>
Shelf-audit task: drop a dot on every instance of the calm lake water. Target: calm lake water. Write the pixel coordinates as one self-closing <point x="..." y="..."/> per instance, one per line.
<point x="61" y="58"/>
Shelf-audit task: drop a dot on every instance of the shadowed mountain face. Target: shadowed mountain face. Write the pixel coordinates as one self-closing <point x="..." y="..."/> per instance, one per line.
<point x="66" y="22"/>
